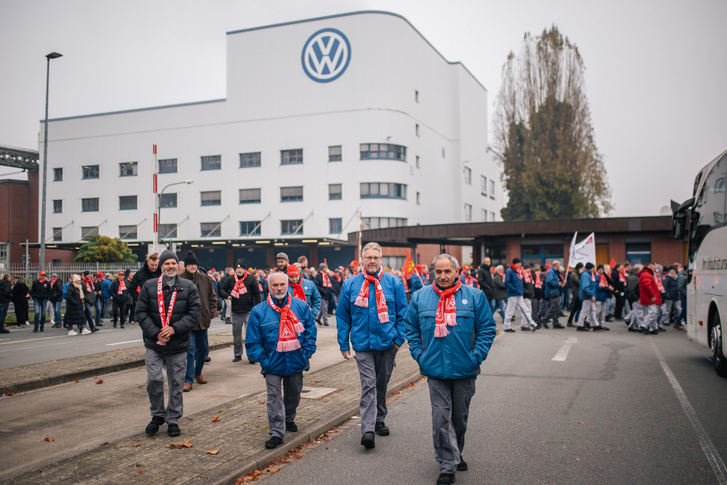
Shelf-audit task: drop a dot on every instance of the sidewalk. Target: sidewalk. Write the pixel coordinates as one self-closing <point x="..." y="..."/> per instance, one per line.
<point x="35" y="376"/>
<point x="239" y="436"/>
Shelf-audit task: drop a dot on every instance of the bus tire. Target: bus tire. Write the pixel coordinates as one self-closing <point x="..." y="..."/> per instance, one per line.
<point x="718" y="358"/>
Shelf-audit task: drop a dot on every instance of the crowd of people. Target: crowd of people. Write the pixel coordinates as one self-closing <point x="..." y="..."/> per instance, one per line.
<point x="446" y="314"/>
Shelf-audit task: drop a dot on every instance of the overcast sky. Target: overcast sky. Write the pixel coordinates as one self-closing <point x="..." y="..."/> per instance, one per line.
<point x="655" y="69"/>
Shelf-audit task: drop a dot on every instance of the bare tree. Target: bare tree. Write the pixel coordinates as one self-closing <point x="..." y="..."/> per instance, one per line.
<point x="551" y="166"/>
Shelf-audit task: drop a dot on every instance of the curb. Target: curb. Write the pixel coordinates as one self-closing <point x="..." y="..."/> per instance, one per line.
<point x="83" y="374"/>
<point x="265" y="457"/>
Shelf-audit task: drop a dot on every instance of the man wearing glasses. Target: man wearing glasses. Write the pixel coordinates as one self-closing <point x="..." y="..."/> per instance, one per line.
<point x="370" y="316"/>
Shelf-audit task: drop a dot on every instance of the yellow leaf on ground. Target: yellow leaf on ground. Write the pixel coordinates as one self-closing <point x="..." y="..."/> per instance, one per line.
<point x="212" y="452"/>
<point x="216" y="418"/>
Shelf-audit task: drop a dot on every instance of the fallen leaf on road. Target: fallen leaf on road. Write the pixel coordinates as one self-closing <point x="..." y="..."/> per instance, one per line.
<point x="186" y="444"/>
<point x="274" y="470"/>
<point x="212" y="452"/>
<point x="99" y="381"/>
<point x="135" y="444"/>
<point x="8" y="393"/>
<point x="105" y="443"/>
<point x="140" y="472"/>
<point x="49" y="438"/>
<point x="582" y="422"/>
<point x="216" y="419"/>
<point x="78" y="379"/>
<point x="578" y="459"/>
<point x="119" y="348"/>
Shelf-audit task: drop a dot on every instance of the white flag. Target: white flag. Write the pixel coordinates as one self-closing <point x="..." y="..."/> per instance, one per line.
<point x="583" y="252"/>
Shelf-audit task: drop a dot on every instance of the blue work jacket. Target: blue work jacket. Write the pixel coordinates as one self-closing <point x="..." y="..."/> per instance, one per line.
<point x="461" y="352"/>
<point x="262" y="339"/>
<point x="513" y="283"/>
<point x="588" y="286"/>
<point x="552" y="284"/>
<point x="361" y="325"/>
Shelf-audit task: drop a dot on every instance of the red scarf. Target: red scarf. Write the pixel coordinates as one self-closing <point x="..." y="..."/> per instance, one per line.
<point x="326" y="280"/>
<point x="603" y="282"/>
<point x="538" y="281"/>
<point x="165" y="317"/>
<point x="298" y="290"/>
<point x="363" y="295"/>
<point x="446" y="309"/>
<point x="89" y="288"/>
<point x="406" y="284"/>
<point x="240" y="288"/>
<point x="290" y="327"/>
<point x="122" y="285"/>
<point x="53" y="281"/>
<point x="622" y="275"/>
<point x="660" y="284"/>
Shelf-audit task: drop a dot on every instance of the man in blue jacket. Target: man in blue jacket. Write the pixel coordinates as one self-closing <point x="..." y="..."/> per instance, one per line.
<point x="281" y="335"/>
<point x="303" y="289"/>
<point x="588" y="297"/>
<point x="450" y="330"/>
<point x="553" y="291"/>
<point x="370" y="314"/>
<point x="515" y="290"/>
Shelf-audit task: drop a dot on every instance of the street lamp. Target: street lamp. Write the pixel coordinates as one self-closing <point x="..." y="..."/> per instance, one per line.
<point x="159" y="210"/>
<point x="52" y="55"/>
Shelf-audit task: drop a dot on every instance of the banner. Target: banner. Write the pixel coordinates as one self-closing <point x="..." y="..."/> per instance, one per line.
<point x="583" y="252"/>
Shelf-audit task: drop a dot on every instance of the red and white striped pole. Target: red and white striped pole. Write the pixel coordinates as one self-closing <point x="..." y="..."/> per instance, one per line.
<point x="155" y="191"/>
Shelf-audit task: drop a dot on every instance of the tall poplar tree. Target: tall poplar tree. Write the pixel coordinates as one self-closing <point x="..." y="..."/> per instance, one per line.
<point x="551" y="166"/>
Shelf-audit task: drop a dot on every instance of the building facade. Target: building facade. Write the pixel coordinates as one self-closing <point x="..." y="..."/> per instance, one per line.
<point x="325" y="120"/>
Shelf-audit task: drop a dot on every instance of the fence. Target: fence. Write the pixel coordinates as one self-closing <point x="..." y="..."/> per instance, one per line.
<point x="30" y="271"/>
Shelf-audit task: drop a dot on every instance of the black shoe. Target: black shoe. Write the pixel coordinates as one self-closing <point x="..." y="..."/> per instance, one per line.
<point x="558" y="325"/>
<point x="4" y="331"/>
<point x="510" y="330"/>
<point x="381" y="429"/>
<point x="237" y="359"/>
<point x="173" y="430"/>
<point x="208" y="359"/>
<point x="526" y="329"/>
<point x="122" y="325"/>
<point x="114" y="325"/>
<point x="654" y="332"/>
<point x="99" y="324"/>
<point x="368" y="440"/>
<point x="582" y="329"/>
<point x="94" y="329"/>
<point x="598" y="328"/>
<point x="41" y="329"/>
<point x="536" y="327"/>
<point x="273" y="442"/>
<point x="609" y="319"/>
<point x="631" y="329"/>
<point x="153" y="427"/>
<point x="462" y="466"/>
<point x="291" y="426"/>
<point x="545" y="325"/>
<point x="251" y="361"/>
<point x="570" y="324"/>
<point x="445" y="479"/>
<point x="325" y="324"/>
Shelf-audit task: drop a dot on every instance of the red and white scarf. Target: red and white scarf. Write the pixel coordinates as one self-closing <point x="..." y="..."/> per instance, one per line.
<point x="240" y="288"/>
<point x="89" y="285"/>
<point x="446" y="315"/>
<point x="290" y="326"/>
<point x="122" y="285"/>
<point x="660" y="283"/>
<point x="538" y="281"/>
<point x="298" y="291"/>
<point x="362" y="300"/>
<point x="326" y="280"/>
<point x="165" y="317"/>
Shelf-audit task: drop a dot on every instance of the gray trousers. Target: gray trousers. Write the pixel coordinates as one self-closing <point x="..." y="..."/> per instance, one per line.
<point x="635" y="316"/>
<point x="600" y="312"/>
<point x="374" y="368"/>
<point x="651" y="317"/>
<point x="323" y="314"/>
<point x="666" y="312"/>
<point x="519" y="302"/>
<point x="282" y="409"/>
<point x="588" y="310"/>
<point x="239" y="330"/>
<point x="553" y="310"/>
<point x="176" y="366"/>
<point x="450" y="400"/>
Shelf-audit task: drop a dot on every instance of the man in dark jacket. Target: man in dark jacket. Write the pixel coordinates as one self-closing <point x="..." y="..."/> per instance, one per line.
<point x="575" y="286"/>
<point x="90" y="299"/>
<point x="119" y="295"/>
<point x="40" y="292"/>
<point x="168" y="308"/>
<point x="487" y="284"/>
<point x="6" y="296"/>
<point x="243" y="290"/>
<point x="56" y="298"/>
<point x="324" y="285"/>
<point x="20" y="301"/>
<point x="199" y="345"/>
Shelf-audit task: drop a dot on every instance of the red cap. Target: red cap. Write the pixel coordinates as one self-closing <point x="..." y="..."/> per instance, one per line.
<point x="354" y="263"/>
<point x="465" y="267"/>
<point x="42" y="273"/>
<point x="419" y="267"/>
<point x="100" y="274"/>
<point x="293" y="270"/>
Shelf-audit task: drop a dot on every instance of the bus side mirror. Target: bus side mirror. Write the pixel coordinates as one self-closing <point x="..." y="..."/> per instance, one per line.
<point x="678" y="225"/>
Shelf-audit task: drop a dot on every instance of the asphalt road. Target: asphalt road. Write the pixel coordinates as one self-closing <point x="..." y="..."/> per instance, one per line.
<point x="85" y="414"/>
<point x="22" y="347"/>
<point x="605" y="413"/>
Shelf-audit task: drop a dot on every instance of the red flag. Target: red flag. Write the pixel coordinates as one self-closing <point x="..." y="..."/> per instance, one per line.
<point x="612" y="263"/>
<point x="408" y="267"/>
<point x="325" y="262"/>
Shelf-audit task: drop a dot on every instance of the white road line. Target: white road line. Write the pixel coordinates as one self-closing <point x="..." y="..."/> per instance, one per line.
<point x="39" y="339"/>
<point x="563" y="352"/>
<point x="125" y="342"/>
<point x="718" y="466"/>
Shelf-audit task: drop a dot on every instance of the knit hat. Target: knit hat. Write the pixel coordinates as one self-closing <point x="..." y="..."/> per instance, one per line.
<point x="240" y="263"/>
<point x="75" y="278"/>
<point x="293" y="270"/>
<point x="86" y="273"/>
<point x="190" y="258"/>
<point x="322" y="265"/>
<point x="54" y="275"/>
<point x="282" y="256"/>
<point x="167" y="254"/>
<point x="99" y="275"/>
<point x="515" y="260"/>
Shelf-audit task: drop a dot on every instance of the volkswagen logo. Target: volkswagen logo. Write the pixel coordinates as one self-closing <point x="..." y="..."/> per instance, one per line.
<point x="326" y="55"/>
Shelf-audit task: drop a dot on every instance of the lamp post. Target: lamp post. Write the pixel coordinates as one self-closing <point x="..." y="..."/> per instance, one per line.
<point x="52" y="55"/>
<point x="159" y="213"/>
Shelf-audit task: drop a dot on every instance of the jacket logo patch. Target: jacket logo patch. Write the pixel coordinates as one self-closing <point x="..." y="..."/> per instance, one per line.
<point x="464" y="301"/>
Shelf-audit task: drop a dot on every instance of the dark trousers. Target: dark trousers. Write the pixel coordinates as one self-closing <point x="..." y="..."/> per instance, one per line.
<point x="21" y="311"/>
<point x="89" y="316"/>
<point x="553" y="304"/>
<point x="577" y="304"/>
<point x="119" y="308"/>
<point x="618" y="312"/>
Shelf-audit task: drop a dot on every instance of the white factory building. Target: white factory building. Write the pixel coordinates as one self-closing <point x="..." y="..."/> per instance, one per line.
<point x="323" y="118"/>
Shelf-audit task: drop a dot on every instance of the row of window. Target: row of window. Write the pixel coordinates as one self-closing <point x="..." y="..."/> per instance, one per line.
<point x="211" y="229"/>
<point x="369" y="190"/>
<point x="483" y="183"/>
<point x="483" y="214"/>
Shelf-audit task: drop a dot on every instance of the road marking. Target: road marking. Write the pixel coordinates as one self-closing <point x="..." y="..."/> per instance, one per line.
<point x="563" y="352"/>
<point x="125" y="342"/>
<point x="718" y="466"/>
<point x="39" y="339"/>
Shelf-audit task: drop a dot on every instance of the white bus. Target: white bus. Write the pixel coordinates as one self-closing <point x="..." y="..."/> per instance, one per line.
<point x="703" y="221"/>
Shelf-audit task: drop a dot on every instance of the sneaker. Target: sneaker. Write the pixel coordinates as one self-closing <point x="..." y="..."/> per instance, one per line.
<point x="71" y="333"/>
<point x="94" y="330"/>
<point x="462" y="465"/>
<point x="525" y="329"/>
<point x="381" y="429"/>
<point x="368" y="440"/>
<point x="273" y="442"/>
<point x="510" y="330"/>
<point x="42" y="329"/>
<point x="582" y="329"/>
<point x="208" y="359"/>
<point x="237" y="359"/>
<point x="35" y="330"/>
<point x="153" y="427"/>
<point x="445" y="479"/>
<point x="291" y="426"/>
<point x="173" y="429"/>
<point x="4" y="331"/>
<point x="86" y="331"/>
